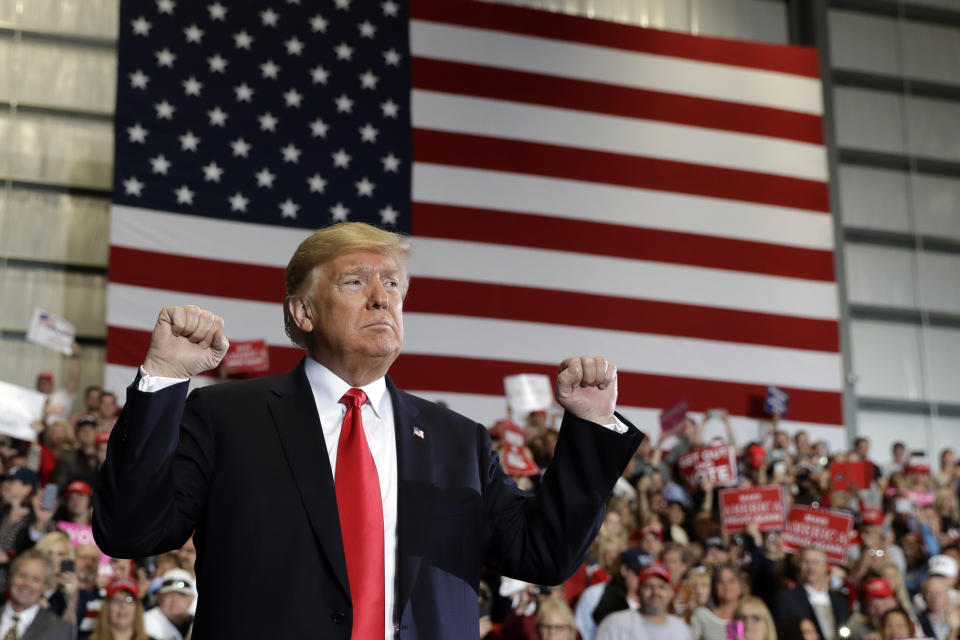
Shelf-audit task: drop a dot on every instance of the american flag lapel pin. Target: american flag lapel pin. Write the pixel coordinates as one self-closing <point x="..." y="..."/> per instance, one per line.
<point x="418" y="432"/>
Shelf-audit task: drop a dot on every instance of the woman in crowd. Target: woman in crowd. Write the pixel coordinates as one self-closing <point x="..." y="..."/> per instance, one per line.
<point x="727" y="587"/>
<point x="897" y="625"/>
<point x="756" y="619"/>
<point x="797" y="629"/>
<point x="555" y="621"/>
<point x="121" y="615"/>
<point x="15" y="514"/>
<point x="696" y="592"/>
<point x="62" y="598"/>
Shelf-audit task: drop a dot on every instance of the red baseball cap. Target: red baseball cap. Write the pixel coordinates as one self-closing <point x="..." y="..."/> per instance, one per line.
<point x="876" y="588"/>
<point x="123" y="584"/>
<point x="756" y="455"/>
<point x="78" y="486"/>
<point x="103" y="438"/>
<point x="655" y="571"/>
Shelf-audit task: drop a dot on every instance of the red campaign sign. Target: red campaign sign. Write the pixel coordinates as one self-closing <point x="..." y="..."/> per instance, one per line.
<point x="717" y="464"/>
<point x="248" y="356"/>
<point x="763" y="505"/>
<point x="823" y="529"/>
<point x="516" y="460"/>
<point x="672" y="419"/>
<point x="844" y="475"/>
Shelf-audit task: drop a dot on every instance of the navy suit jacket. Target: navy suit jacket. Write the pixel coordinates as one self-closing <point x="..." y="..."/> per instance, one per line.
<point x="245" y="465"/>
<point x="794" y="603"/>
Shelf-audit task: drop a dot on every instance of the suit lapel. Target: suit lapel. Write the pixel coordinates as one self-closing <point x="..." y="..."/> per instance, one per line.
<point x="413" y="492"/>
<point x="294" y="412"/>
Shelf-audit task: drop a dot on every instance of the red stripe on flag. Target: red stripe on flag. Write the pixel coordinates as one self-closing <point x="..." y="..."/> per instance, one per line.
<point x="545" y="232"/>
<point x="127" y="347"/>
<point x="496" y="154"/>
<point x="527" y="304"/>
<point x="597" y="97"/>
<point x="196" y="275"/>
<point x="557" y="26"/>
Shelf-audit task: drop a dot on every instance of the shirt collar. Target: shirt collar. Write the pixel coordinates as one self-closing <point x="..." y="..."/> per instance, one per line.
<point x="328" y="388"/>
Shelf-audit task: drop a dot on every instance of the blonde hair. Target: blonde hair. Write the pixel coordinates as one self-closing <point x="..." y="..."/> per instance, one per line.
<point x="324" y="245"/>
<point x="757" y="603"/>
<point x="46" y="543"/>
<point x="102" y="630"/>
<point x="557" y="607"/>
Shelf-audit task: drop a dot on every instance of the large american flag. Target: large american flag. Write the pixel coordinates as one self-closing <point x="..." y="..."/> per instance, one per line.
<point x="572" y="186"/>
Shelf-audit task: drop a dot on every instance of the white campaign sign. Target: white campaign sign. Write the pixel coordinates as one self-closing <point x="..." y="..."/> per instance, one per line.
<point x="19" y="407"/>
<point x="528" y="392"/>
<point x="51" y="330"/>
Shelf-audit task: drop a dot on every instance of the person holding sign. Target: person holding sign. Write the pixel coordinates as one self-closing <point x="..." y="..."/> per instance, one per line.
<point x="376" y="509"/>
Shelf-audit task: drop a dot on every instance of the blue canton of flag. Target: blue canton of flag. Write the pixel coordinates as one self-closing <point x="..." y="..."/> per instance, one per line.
<point x="291" y="113"/>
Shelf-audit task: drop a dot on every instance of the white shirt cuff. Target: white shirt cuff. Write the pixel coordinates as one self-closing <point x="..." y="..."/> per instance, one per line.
<point x="617" y="426"/>
<point x="149" y="383"/>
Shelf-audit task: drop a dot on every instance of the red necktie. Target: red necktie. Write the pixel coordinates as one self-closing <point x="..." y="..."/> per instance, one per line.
<point x="361" y="521"/>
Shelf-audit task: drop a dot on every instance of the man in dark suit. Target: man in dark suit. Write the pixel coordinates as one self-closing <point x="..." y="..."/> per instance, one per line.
<point x="813" y="598"/>
<point x="23" y="618"/>
<point x="326" y="502"/>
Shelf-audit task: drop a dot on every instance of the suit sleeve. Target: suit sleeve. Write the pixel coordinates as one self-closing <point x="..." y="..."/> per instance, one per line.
<point x="152" y="486"/>
<point x="543" y="538"/>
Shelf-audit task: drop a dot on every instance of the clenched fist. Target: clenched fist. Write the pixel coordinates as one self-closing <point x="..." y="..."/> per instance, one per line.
<point x="587" y="387"/>
<point x="185" y="341"/>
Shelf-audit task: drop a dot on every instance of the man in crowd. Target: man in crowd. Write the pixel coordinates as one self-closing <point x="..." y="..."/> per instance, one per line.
<point x="171" y="618"/>
<point x="107" y="411"/>
<point x="939" y="618"/>
<point x="652" y="622"/>
<point x="622" y="591"/>
<point x="82" y="462"/>
<point x="31" y="575"/>
<point x="378" y="509"/>
<point x="88" y="594"/>
<point x="813" y="598"/>
<point x="877" y="598"/>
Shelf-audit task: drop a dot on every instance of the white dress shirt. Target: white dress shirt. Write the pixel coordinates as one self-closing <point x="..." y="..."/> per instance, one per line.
<point x="25" y="619"/>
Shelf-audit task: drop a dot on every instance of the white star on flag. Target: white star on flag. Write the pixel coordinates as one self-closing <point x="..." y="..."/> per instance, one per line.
<point x="290" y="154"/>
<point x="165" y="58"/>
<point x="319" y="23"/>
<point x="268" y="122"/>
<point x="368" y="133"/>
<point x="218" y="117"/>
<point x="243" y="40"/>
<point x="343" y="4"/>
<point x="288" y="209"/>
<point x="391" y="57"/>
<point x="218" y="64"/>
<point x="244" y="93"/>
<point x="166" y="6"/>
<point x="341" y="158"/>
<point x="139" y="80"/>
<point x="391" y="163"/>
<point x="368" y="80"/>
<point x="339" y="212"/>
<point x="192" y="86"/>
<point x="390" y="109"/>
<point x="318" y="128"/>
<point x="269" y="18"/>
<point x="270" y="69"/>
<point x="390" y="8"/>
<point x="189" y="142"/>
<point x="212" y="172"/>
<point x="240" y="148"/>
<point x="344" y="51"/>
<point x="344" y="104"/>
<point x="364" y="187"/>
<point x="184" y="195"/>
<point x="140" y="26"/>
<point x="165" y="110"/>
<point x="193" y="33"/>
<point x="317" y="184"/>
<point x="238" y="202"/>
<point x="388" y="215"/>
<point x="319" y="74"/>
<point x="217" y="11"/>
<point x="265" y="178"/>
<point x="294" y="47"/>
<point x="292" y="98"/>
<point x="137" y="133"/>
<point x="160" y="164"/>
<point x="367" y="30"/>
<point x="132" y="186"/>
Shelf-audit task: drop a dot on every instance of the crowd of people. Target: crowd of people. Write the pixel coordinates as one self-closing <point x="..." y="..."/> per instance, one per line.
<point x="660" y="567"/>
<point x="56" y="583"/>
<point x="663" y="567"/>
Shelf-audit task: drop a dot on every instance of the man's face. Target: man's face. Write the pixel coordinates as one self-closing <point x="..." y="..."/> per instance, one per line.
<point x="27" y="584"/>
<point x="673" y="560"/>
<point x="175" y="605"/>
<point x="88" y="561"/>
<point x="108" y="406"/>
<point x="862" y="448"/>
<point x="936" y="595"/>
<point x="87" y="434"/>
<point x="879" y="606"/>
<point x="655" y="595"/>
<point x="813" y="567"/>
<point x="93" y="399"/>
<point x="78" y="503"/>
<point x="357" y="310"/>
<point x="45" y="385"/>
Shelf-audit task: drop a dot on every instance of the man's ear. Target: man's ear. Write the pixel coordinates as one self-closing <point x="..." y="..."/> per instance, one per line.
<point x="302" y="313"/>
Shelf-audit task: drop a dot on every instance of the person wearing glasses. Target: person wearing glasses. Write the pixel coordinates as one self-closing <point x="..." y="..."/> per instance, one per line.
<point x="121" y="614"/>
<point x="171" y="619"/>
<point x="555" y="621"/>
<point x="757" y="621"/>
